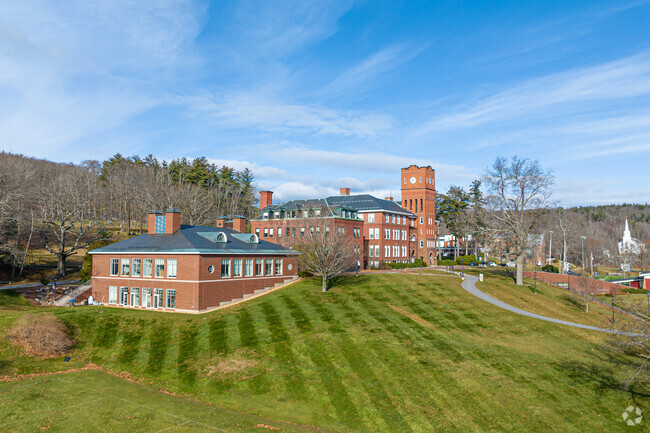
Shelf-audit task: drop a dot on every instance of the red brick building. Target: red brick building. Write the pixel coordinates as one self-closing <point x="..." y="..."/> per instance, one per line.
<point x="382" y="230"/>
<point x="187" y="268"/>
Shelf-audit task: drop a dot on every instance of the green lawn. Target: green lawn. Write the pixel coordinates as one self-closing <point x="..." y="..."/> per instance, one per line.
<point x="549" y="300"/>
<point x="345" y="360"/>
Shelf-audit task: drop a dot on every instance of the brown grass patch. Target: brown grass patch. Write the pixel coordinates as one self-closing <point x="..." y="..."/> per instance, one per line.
<point x="232" y="365"/>
<point x="41" y="335"/>
<point x="412" y="316"/>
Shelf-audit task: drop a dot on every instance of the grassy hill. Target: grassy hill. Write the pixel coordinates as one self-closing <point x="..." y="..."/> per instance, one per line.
<point x="386" y="353"/>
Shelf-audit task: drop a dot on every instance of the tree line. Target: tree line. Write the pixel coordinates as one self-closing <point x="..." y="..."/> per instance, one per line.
<point x="63" y="207"/>
<point x="510" y="207"/>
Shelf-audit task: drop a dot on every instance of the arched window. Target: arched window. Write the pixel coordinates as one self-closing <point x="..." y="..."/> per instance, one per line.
<point x="221" y="237"/>
<point x="254" y="240"/>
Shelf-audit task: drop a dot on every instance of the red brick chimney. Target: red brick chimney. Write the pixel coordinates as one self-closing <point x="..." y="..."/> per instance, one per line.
<point x="388" y="198"/>
<point x="345" y="191"/>
<point x="266" y="199"/>
<point x="221" y="221"/>
<point x="151" y="222"/>
<point x="239" y="223"/>
<point x="173" y="221"/>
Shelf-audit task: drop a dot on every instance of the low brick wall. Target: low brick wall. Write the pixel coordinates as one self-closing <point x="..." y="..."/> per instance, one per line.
<point x="578" y="284"/>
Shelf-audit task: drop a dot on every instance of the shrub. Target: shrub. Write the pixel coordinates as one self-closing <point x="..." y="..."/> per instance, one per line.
<point x="305" y="274"/>
<point x="418" y="263"/>
<point x="467" y="260"/>
<point x="447" y="262"/>
<point x="550" y="268"/>
<point x="41" y="335"/>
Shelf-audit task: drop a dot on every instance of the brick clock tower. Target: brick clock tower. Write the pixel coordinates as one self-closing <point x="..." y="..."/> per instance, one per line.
<point x="419" y="197"/>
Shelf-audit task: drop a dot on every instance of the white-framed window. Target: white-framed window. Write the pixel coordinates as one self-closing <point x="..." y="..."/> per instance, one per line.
<point x="136" y="267"/>
<point x="266" y="232"/>
<point x="257" y="232"/>
<point x="147" y="265"/>
<point x="386" y="233"/>
<point x="236" y="267"/>
<point x="271" y="232"/>
<point x="112" y="294"/>
<point x="124" y="295"/>
<point x="421" y="244"/>
<point x="403" y="235"/>
<point x="259" y="267"/>
<point x="171" y="298"/>
<point x="278" y="266"/>
<point x="393" y="219"/>
<point x="248" y="267"/>
<point x="135" y="296"/>
<point x="125" y="267"/>
<point x="371" y="234"/>
<point x="376" y="232"/>
<point x="371" y="251"/>
<point x="386" y="251"/>
<point x="171" y="268"/>
<point x="403" y="251"/>
<point x="115" y="267"/>
<point x="371" y="217"/>
<point x="269" y="267"/>
<point x="146" y="297"/>
<point x="387" y="219"/>
<point x="160" y="268"/>
<point x="279" y="232"/>
<point x="396" y="235"/>
<point x="225" y="268"/>
<point x="395" y="251"/>
<point x="421" y="220"/>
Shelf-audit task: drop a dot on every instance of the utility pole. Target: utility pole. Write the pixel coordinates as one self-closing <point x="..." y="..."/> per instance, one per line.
<point x="564" y="265"/>
<point x="582" y="239"/>
<point x="550" y="251"/>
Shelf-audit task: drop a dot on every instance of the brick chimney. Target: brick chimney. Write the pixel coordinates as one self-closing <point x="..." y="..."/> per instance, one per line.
<point x="266" y="199"/>
<point x="155" y="216"/>
<point x="239" y="223"/>
<point x="388" y="198"/>
<point x="173" y="221"/>
<point x="221" y="221"/>
<point x="345" y="191"/>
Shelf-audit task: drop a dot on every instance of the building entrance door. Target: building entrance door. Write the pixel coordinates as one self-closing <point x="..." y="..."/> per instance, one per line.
<point x="157" y="298"/>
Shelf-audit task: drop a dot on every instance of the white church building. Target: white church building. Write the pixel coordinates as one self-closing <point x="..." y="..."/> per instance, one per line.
<point x="629" y="245"/>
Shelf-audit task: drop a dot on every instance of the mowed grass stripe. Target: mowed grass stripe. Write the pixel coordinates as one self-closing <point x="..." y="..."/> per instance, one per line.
<point x="159" y="338"/>
<point x="299" y="317"/>
<point x="218" y="336"/>
<point x="283" y="351"/>
<point x="344" y="406"/>
<point x="373" y="387"/>
<point x="131" y="341"/>
<point x="424" y="346"/>
<point x="186" y="361"/>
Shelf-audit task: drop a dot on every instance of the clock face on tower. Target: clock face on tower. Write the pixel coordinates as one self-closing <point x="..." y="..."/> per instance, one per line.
<point x="413" y="179"/>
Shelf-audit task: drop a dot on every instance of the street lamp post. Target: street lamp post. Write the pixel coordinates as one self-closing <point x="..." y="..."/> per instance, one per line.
<point x="582" y="239"/>
<point x="550" y="251"/>
<point x="535" y="273"/>
<point x="613" y="318"/>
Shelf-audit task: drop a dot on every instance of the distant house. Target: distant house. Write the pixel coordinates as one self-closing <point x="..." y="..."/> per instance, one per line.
<point x="187" y="268"/>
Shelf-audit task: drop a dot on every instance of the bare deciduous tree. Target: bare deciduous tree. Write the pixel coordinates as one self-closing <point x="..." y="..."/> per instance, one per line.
<point x="326" y="250"/>
<point x="517" y="189"/>
<point x="65" y="195"/>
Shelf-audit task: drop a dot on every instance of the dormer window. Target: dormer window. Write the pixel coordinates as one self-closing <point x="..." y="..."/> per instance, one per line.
<point x="254" y="239"/>
<point x="221" y="237"/>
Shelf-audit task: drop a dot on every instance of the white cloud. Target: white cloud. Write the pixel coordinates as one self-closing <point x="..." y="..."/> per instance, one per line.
<point x="245" y="111"/>
<point x="77" y="70"/>
<point x="380" y="62"/>
<point x="554" y="95"/>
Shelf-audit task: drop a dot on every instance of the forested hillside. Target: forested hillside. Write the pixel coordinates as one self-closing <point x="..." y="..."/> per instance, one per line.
<point x="61" y="208"/>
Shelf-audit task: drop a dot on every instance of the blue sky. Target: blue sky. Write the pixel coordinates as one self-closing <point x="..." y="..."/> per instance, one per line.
<point x="317" y="95"/>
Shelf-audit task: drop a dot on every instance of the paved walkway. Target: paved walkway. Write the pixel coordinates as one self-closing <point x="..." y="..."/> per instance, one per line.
<point x="470" y="285"/>
<point x="26" y="286"/>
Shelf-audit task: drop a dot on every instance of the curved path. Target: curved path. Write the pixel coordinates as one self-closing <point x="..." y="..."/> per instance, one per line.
<point x="469" y="284"/>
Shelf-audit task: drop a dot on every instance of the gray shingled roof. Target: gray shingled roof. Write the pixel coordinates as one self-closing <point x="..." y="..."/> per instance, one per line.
<point x="194" y="239"/>
<point x="358" y="203"/>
